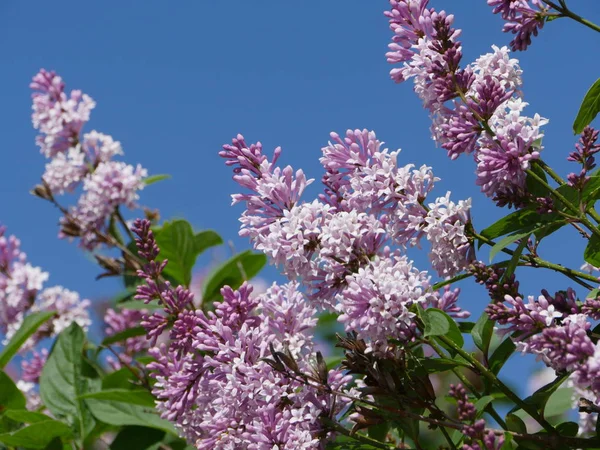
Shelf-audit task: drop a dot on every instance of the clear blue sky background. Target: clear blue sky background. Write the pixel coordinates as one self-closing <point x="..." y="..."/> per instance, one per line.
<point x="175" y="80"/>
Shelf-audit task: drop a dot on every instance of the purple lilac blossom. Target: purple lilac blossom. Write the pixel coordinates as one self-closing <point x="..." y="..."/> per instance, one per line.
<point x="212" y="379"/>
<point x="584" y="153"/>
<point x="521" y="18"/>
<point x="331" y="245"/>
<point x="474" y="110"/>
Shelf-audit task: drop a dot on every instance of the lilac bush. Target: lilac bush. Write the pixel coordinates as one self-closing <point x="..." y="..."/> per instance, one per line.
<point x="234" y="368"/>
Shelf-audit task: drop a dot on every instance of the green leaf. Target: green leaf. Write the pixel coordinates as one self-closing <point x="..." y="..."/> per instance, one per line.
<point x="591" y="253"/>
<point x="482" y="403"/>
<point x="37" y="435"/>
<point x="124" y="335"/>
<point x="570" y="194"/>
<point x="593" y="294"/>
<point x="534" y="187"/>
<point x="134" y="397"/>
<point x="568" y="429"/>
<point x="119" y="379"/>
<point x="177" y="243"/>
<point x="120" y="414"/>
<point x="24" y="416"/>
<point x="540" y="397"/>
<point x="501" y="355"/>
<point x="591" y="190"/>
<point x="516" y="221"/>
<point x="379" y="431"/>
<point x="482" y="332"/>
<point x="62" y="382"/>
<point x="466" y="327"/>
<point x="30" y="325"/>
<point x="10" y="395"/>
<point x="206" y="239"/>
<point x="516" y="424"/>
<point x="229" y="273"/>
<point x="155" y="178"/>
<point x="514" y="260"/>
<point x="433" y="365"/>
<point x="559" y="402"/>
<point x="588" y="109"/>
<point x="136" y="438"/>
<point x="438" y="323"/>
<point x="506" y="241"/>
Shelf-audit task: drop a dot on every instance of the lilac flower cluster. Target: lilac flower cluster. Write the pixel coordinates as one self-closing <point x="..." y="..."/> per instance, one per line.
<point x="522" y="19"/>
<point x="212" y="377"/>
<point x="477" y="109"/>
<point x="584" y="153"/>
<point x="556" y="329"/>
<point x="22" y="292"/>
<point x="80" y="161"/>
<point x="339" y="247"/>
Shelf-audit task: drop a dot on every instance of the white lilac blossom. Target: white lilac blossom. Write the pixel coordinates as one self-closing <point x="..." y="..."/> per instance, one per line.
<point x="451" y="251"/>
<point x="213" y="379"/>
<point x="78" y="160"/>
<point x="377" y="300"/>
<point x="339" y="248"/>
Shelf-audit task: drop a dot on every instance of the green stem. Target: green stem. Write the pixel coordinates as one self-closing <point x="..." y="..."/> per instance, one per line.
<point x="592" y="212"/>
<point x="556" y="177"/>
<point x="448" y="438"/>
<point x="443" y="283"/>
<point x="566" y="12"/>
<point x="538" y="262"/>
<point x="582" y="218"/>
<point x="485" y="372"/>
<point x="465" y="381"/>
<point x="357" y="437"/>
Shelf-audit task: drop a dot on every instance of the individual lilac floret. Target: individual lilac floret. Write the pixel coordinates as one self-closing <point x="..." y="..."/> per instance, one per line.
<point x="377" y="300"/>
<point x="222" y="393"/>
<point x="521" y="18"/>
<point x="58" y="117"/>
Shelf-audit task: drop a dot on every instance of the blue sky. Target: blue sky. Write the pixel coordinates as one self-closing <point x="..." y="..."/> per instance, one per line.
<point x="175" y="80"/>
